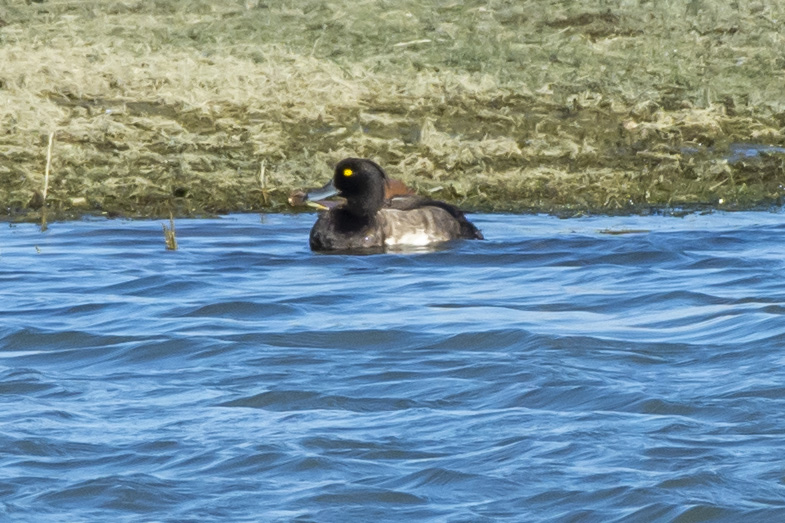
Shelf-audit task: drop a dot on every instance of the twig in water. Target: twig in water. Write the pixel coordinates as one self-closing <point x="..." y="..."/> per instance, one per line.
<point x="169" y="234"/>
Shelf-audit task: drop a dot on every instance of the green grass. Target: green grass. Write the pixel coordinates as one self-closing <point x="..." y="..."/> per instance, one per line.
<point x="495" y="105"/>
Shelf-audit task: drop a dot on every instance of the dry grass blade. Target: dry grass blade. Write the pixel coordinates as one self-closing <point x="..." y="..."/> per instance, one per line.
<point x="263" y="183"/>
<point x="44" y="225"/>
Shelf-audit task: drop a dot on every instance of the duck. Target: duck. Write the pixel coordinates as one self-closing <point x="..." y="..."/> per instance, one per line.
<point x="378" y="214"/>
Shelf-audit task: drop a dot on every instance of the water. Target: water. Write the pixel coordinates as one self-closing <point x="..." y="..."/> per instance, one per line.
<point x="555" y="372"/>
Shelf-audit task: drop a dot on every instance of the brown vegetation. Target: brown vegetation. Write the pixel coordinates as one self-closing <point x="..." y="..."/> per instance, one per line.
<point x="206" y="107"/>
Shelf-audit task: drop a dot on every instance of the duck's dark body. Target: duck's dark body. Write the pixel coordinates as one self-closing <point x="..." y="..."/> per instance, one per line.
<point x="367" y="222"/>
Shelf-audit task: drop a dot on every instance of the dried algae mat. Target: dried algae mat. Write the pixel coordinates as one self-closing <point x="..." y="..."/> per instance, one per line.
<point x="600" y="106"/>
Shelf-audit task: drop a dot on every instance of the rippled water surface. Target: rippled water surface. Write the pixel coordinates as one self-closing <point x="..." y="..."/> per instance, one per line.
<point x="558" y="371"/>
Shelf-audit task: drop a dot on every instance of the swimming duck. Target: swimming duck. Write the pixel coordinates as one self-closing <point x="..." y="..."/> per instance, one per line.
<point x="369" y="220"/>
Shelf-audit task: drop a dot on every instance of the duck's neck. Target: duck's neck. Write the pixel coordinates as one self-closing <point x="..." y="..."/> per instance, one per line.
<point x="350" y="221"/>
<point x="366" y="206"/>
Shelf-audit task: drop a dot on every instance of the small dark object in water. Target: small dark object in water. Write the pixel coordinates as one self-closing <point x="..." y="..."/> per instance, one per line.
<point x="369" y="220"/>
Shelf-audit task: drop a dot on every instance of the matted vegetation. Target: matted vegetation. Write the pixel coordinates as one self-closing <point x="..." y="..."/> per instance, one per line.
<point x="199" y="106"/>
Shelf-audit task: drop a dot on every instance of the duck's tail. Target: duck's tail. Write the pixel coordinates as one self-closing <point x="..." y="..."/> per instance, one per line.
<point x="468" y="230"/>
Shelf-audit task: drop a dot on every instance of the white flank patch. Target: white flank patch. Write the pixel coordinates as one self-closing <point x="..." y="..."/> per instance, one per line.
<point x="410" y="238"/>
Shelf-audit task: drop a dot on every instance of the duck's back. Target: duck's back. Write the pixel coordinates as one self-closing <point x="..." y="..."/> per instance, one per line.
<point x="422" y="226"/>
<point x="432" y="218"/>
<point x="420" y="221"/>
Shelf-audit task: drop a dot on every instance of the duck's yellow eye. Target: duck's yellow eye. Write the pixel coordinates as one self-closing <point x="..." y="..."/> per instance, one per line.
<point x="348" y="172"/>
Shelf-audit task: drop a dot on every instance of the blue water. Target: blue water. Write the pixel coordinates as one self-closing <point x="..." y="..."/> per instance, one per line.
<point x="555" y="372"/>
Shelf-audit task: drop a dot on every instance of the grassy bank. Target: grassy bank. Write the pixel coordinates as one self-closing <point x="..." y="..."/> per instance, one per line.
<point x="496" y="105"/>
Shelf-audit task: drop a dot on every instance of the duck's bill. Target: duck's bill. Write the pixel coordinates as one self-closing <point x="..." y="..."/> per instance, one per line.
<point x="321" y="194"/>
<point x="313" y="198"/>
<point x="320" y="206"/>
<point x="300" y="199"/>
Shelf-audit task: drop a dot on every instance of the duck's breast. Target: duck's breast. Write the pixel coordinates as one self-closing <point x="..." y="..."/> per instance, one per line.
<point x="422" y="226"/>
<point x="336" y="231"/>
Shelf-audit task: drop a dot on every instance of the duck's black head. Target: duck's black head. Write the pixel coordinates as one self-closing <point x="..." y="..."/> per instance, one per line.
<point x="361" y="182"/>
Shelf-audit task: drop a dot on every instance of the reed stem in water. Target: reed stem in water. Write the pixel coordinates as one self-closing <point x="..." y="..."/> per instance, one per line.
<point x="169" y="234"/>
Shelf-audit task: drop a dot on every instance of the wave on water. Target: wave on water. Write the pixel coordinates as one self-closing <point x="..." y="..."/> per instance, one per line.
<point x="555" y="372"/>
